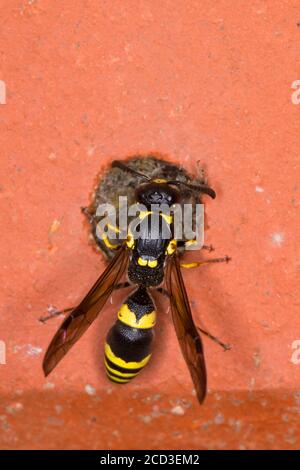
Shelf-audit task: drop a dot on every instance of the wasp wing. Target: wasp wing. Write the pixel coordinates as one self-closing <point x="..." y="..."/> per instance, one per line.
<point x="187" y="333"/>
<point x="87" y="311"/>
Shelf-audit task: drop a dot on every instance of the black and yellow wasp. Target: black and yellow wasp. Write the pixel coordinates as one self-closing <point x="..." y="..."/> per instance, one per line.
<point x="148" y="262"/>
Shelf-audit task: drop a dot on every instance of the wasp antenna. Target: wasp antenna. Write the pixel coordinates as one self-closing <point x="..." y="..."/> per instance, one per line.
<point x="201" y="188"/>
<point x="122" y="166"/>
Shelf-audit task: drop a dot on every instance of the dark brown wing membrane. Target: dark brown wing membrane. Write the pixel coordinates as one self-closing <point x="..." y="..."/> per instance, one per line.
<point x="187" y="334"/>
<point x="87" y="311"/>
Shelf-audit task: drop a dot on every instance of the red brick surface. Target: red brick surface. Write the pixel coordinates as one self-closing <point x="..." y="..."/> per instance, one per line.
<point x="91" y="81"/>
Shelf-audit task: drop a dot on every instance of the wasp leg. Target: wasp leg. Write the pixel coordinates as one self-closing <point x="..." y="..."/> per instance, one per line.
<point x="196" y="264"/>
<point x="92" y="220"/>
<point x="55" y="313"/>
<point x="200" y="171"/>
<point x="108" y="244"/>
<point x="208" y="248"/>
<point x="107" y="241"/>
<point x="225" y="346"/>
<point x="89" y="216"/>
<point x="188" y="243"/>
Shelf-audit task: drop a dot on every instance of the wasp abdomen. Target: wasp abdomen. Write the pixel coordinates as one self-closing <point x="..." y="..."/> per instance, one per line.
<point x="129" y="341"/>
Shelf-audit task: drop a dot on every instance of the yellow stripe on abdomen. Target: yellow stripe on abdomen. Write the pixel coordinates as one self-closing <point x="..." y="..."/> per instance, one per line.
<point x="122" y="375"/>
<point x="120" y="362"/>
<point x="116" y="379"/>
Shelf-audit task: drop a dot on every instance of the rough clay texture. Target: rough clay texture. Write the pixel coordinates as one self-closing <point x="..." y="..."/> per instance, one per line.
<point x="88" y="82"/>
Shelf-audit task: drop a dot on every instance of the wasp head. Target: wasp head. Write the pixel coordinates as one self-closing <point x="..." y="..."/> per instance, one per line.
<point x="157" y="192"/>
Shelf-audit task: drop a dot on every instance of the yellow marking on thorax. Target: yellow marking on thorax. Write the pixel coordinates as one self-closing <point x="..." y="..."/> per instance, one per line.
<point x="120" y="374"/>
<point x="144" y="214"/>
<point x="171" y="248"/>
<point x="144" y="262"/>
<point x="152" y="263"/>
<point x="160" y="180"/>
<point x="125" y="315"/>
<point x="120" y="362"/>
<point x="168" y="218"/>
